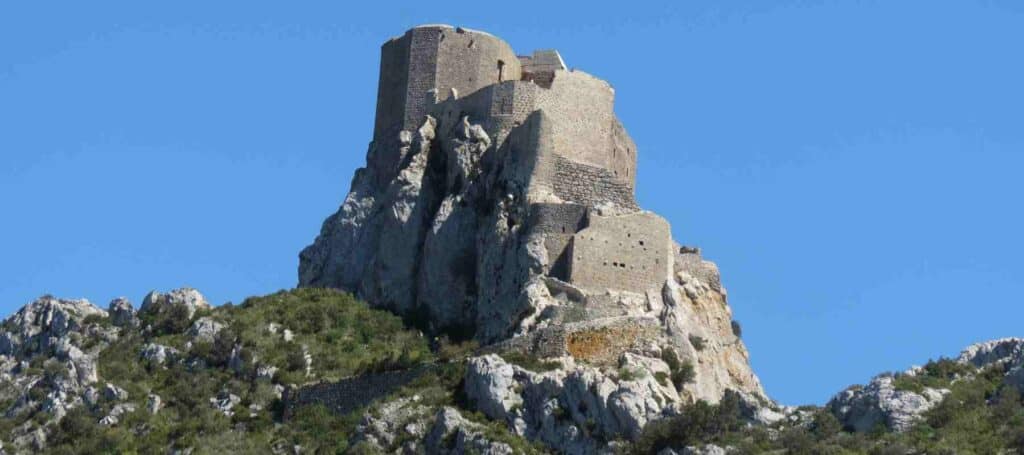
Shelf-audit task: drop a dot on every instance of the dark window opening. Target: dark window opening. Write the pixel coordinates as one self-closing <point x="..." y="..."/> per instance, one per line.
<point x="501" y="71"/>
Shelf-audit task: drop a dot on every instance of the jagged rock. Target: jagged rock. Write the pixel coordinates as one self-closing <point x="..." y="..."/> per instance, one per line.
<point x="205" y="329"/>
<point x="1007" y="352"/>
<point x="41" y="325"/>
<point x="266" y="371"/>
<point x="159" y="354"/>
<point x="112" y="392"/>
<point x="400" y="421"/>
<point x="709" y="449"/>
<point x="454" y="434"/>
<point x="154" y="403"/>
<point x="114" y="417"/>
<point x="122" y="313"/>
<point x="225" y="403"/>
<point x="880" y="403"/>
<point x="157" y="303"/>
<point x="573" y="409"/>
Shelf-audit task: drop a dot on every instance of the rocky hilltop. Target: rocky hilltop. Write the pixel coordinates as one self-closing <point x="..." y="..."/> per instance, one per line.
<point x="489" y="285"/>
<point x="497" y="204"/>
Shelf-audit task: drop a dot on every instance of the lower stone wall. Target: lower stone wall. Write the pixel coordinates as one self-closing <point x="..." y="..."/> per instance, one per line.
<point x="350" y="394"/>
<point x="598" y="342"/>
<point x="590" y="185"/>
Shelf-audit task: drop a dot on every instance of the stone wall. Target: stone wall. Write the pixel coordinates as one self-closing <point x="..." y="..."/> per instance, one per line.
<point x="350" y="394"/>
<point x="598" y="342"/>
<point x="422" y="67"/>
<point x="589" y="185"/>
<point x="628" y="252"/>
<point x="558" y="223"/>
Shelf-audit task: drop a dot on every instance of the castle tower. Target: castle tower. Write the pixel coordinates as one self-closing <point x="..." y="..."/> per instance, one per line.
<point x="428" y="63"/>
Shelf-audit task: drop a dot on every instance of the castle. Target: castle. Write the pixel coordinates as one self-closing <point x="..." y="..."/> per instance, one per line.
<point x="497" y="203"/>
<point x="575" y="150"/>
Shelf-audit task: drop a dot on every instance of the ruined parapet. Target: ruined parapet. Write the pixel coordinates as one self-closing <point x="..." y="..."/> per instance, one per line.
<point x="540" y="67"/>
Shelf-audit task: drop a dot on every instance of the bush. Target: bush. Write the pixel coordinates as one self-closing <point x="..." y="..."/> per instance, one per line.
<point x="697" y="424"/>
<point x="697" y="342"/>
<point x="170" y="319"/>
<point x="737" y="329"/>
<point x="681" y="372"/>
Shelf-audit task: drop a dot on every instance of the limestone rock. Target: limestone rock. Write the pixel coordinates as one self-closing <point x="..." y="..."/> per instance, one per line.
<point x="573" y="409"/>
<point x="880" y="403"/>
<point x="225" y="402"/>
<point x="157" y="303"/>
<point x="154" y="403"/>
<point x="397" y="426"/>
<point x="112" y="392"/>
<point x="40" y="325"/>
<point x="122" y="313"/>
<point x="159" y="354"/>
<point x="205" y="329"/>
<point x="454" y="434"/>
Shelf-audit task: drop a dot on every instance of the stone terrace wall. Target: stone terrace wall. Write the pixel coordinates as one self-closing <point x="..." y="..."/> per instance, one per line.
<point x="349" y="394"/>
<point x="590" y="185"/>
<point x="599" y="342"/>
<point x="628" y="252"/>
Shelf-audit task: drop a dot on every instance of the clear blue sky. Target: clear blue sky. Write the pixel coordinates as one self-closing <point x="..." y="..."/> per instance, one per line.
<point x="853" y="167"/>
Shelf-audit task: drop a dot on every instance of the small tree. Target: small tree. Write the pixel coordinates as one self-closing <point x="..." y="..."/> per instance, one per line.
<point x="737" y="329"/>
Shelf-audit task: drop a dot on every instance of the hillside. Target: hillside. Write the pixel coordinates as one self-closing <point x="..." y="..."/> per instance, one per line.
<point x="79" y="379"/>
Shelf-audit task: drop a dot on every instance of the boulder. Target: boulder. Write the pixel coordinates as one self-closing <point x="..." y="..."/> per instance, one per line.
<point x="159" y="354"/>
<point x="122" y="313"/>
<point x="205" y="329"/>
<point x="158" y="303"/>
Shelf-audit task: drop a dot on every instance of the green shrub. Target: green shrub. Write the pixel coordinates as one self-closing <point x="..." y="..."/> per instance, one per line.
<point x="697" y="342"/>
<point x="737" y="329"/>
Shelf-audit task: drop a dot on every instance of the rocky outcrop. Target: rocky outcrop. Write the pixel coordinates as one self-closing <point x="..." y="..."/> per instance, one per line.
<point x="881" y="404"/>
<point x="188" y="299"/>
<point x="571" y="408"/>
<point x="454" y="434"/>
<point x="48" y="362"/>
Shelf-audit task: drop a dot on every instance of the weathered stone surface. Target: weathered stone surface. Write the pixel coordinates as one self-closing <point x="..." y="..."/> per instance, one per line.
<point x="454" y="434"/>
<point x="122" y="313"/>
<point x="159" y="354"/>
<point x="573" y="409"/>
<point x="205" y="329"/>
<point x="40" y="325"/>
<point x="157" y="303"/>
<point x="880" y="403"/>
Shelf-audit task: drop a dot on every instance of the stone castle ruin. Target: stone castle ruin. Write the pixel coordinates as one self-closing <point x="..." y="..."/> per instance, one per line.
<point x="497" y="203"/>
